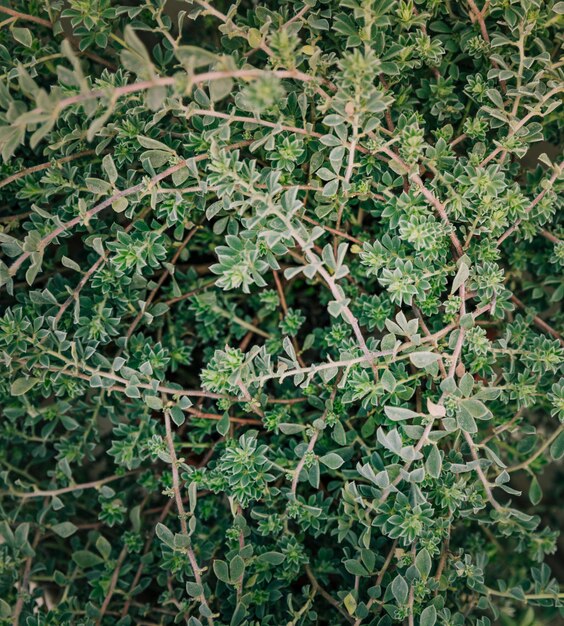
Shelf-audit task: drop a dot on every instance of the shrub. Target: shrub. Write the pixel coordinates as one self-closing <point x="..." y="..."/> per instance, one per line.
<point x="280" y="312"/>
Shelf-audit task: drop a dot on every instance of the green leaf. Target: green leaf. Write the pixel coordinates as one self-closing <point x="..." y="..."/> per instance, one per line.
<point x="423" y="562"/>
<point x="164" y="534"/>
<point x="120" y="205"/>
<point x="557" y="447"/>
<point x="434" y="462"/>
<point x="239" y="614"/>
<point x="135" y="518"/>
<point x="194" y="590"/>
<point x="273" y="558"/>
<point x="222" y="426"/>
<point x="388" y="381"/>
<point x="64" y="529"/>
<point x="355" y="568"/>
<point x="110" y="168"/>
<point x="350" y="603"/>
<point x="400" y="590"/>
<point x="339" y="435"/>
<point x="104" y="547"/>
<point x="23" y="36"/>
<point x="21" y="534"/>
<point x="220" y="89"/>
<point x="177" y="414"/>
<point x="221" y="570"/>
<point x="236" y="567"/>
<point x="466" y="384"/>
<point x="5" y="610"/>
<point x="154" y="402"/>
<point x="85" y="559"/>
<point x="291" y="429"/>
<point x="428" y="616"/>
<point x="466" y="422"/>
<point x="23" y="385"/>
<point x="254" y="37"/>
<point x="331" y="460"/>
<point x="397" y="414"/>
<point x="423" y="359"/>
<point x="154" y="144"/>
<point x="535" y="491"/>
<point x="98" y="186"/>
<point x="73" y="265"/>
<point x="135" y="57"/>
<point x="476" y="408"/>
<point x="460" y="278"/>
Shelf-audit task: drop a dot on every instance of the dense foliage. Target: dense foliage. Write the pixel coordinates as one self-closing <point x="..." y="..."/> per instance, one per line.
<point x="280" y="312"/>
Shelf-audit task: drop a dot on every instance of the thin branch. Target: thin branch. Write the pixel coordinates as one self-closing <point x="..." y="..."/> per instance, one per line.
<point x="44" y="166"/>
<point x="380" y="578"/>
<point x="532" y="205"/>
<point x="480" y="472"/>
<point x="112" y="586"/>
<point x="181" y="511"/>
<point x="537" y="320"/>
<point x="479" y="17"/>
<point x="142" y="186"/>
<point x="515" y="128"/>
<point x="550" y="236"/>
<point x="94" y="484"/>
<point x="327" y="596"/>
<point x="26" y="17"/>
<point x="538" y="452"/>
<point x="160" y="282"/>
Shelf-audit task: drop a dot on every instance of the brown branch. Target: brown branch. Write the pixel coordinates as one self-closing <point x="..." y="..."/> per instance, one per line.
<point x="430" y="197"/>
<point x="479" y="17"/>
<point x="324" y="594"/>
<point x="95" y="484"/>
<point x="284" y="305"/>
<point x="26" y="17"/>
<point x="181" y="511"/>
<point x="24" y="582"/>
<point x="139" y="572"/>
<point x="480" y="472"/>
<point x="109" y="201"/>
<point x="112" y="586"/>
<point x="44" y="166"/>
<point x="538" y="321"/>
<point x="189" y="294"/>
<point x="517" y="127"/>
<point x="557" y="172"/>
<point x="160" y="282"/>
<point x="380" y="578"/>
<point x="549" y="236"/>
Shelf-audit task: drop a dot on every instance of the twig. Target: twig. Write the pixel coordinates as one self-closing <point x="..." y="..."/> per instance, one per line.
<point x="538" y="452"/>
<point x="26" y="17"/>
<point x="480" y="472"/>
<point x="112" y="586"/>
<point x="532" y="205"/>
<point x="24" y="582"/>
<point x="311" y="445"/>
<point x="538" y="321"/>
<point x="44" y="166"/>
<point x="380" y="578"/>
<point x="548" y="235"/>
<point x="94" y="484"/>
<point x="160" y="282"/>
<point x="479" y="17"/>
<point x="327" y="596"/>
<point x="44" y="242"/>
<point x="181" y="512"/>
